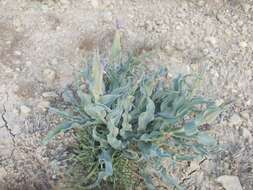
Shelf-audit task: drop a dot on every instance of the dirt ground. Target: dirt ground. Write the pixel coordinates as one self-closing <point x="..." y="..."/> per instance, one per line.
<point x="43" y="43"/>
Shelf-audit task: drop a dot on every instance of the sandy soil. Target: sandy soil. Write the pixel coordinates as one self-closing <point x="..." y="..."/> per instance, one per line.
<point x="43" y="43"/>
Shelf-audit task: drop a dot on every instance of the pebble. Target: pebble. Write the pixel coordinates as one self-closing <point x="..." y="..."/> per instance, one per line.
<point x="94" y="3"/>
<point x="212" y="40"/>
<point x="17" y="53"/>
<point x="201" y="3"/>
<point x="49" y="95"/>
<point x="25" y="110"/>
<point x="229" y="182"/>
<point x="64" y="2"/>
<point x="3" y="171"/>
<point x="50" y="75"/>
<point x="235" y="120"/>
<point x="243" y="44"/>
<point x="43" y="105"/>
<point x="245" y="115"/>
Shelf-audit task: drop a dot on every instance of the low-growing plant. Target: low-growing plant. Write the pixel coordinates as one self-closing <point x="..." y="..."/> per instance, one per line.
<point x="130" y="118"/>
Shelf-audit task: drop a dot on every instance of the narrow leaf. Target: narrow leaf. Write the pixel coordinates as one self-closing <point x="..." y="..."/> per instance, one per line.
<point x="97" y="85"/>
<point x="116" y="46"/>
<point x="60" y="128"/>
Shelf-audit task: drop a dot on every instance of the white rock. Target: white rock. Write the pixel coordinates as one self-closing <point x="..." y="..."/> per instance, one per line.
<point x="25" y="110"/>
<point x="49" y="95"/>
<point x="212" y="40"/>
<point x="43" y="105"/>
<point x="3" y="172"/>
<point x="245" y="115"/>
<point x="235" y="120"/>
<point x="17" y="52"/>
<point x="49" y="74"/>
<point x="229" y="182"/>
<point x="64" y="2"/>
<point x="94" y="3"/>
<point x="243" y="44"/>
<point x="201" y="3"/>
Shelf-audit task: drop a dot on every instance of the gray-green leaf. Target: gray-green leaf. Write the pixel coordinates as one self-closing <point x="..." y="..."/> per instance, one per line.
<point x="147" y="116"/>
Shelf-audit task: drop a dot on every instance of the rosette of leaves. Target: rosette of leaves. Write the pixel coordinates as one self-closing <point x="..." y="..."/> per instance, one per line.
<point x="132" y="119"/>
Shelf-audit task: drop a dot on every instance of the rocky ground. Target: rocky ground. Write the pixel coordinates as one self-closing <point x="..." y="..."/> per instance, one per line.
<point x="43" y="43"/>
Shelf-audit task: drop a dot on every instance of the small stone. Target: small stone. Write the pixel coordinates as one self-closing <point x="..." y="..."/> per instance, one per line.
<point x="201" y="3"/>
<point x="64" y="2"/>
<point x="25" y="110"/>
<point x="245" y="115"/>
<point x="3" y="172"/>
<point x="229" y="182"/>
<point x="8" y="42"/>
<point x="235" y="120"/>
<point x="94" y="3"/>
<point x="17" y="53"/>
<point x="17" y="69"/>
<point x="49" y="74"/>
<point x="49" y="95"/>
<point x="212" y="40"/>
<point x="44" y="105"/>
<point x="54" y="177"/>
<point x="243" y="44"/>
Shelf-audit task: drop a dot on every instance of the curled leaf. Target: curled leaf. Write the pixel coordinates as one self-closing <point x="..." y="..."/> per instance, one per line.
<point x="205" y="139"/>
<point x="147" y="116"/>
<point x="105" y="159"/>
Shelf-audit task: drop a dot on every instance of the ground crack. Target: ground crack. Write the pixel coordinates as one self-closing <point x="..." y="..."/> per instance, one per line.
<point x="192" y="172"/>
<point x="6" y="126"/>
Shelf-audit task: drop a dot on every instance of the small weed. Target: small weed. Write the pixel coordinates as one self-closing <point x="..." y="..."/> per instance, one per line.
<point x="129" y="119"/>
